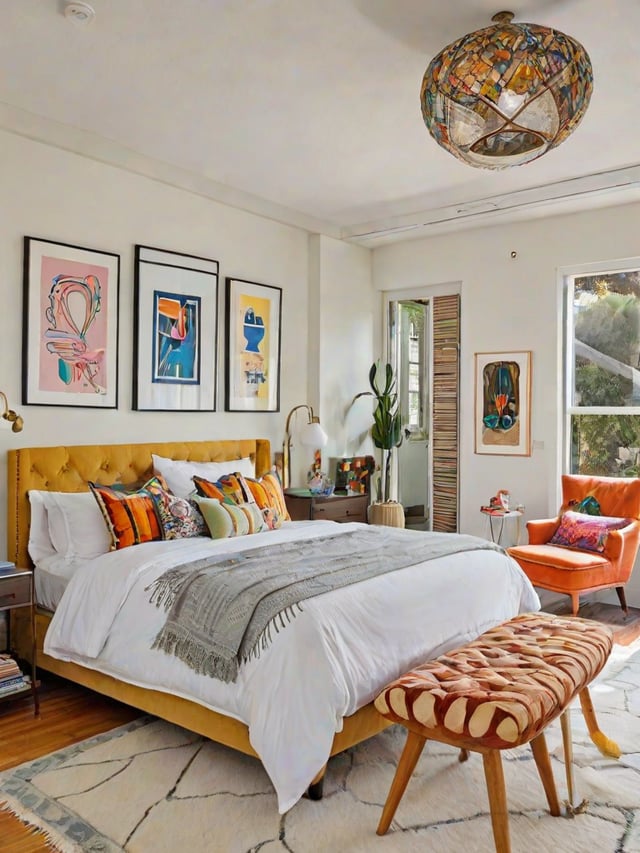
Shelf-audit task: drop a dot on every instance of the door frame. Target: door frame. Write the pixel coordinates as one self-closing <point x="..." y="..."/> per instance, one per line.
<point x="420" y="294"/>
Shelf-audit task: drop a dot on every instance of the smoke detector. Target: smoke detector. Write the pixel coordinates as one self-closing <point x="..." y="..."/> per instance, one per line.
<point x="80" y="13"/>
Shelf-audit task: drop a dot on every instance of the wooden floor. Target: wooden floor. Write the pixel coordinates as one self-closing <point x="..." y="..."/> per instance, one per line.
<point x="625" y="629"/>
<point x="69" y="713"/>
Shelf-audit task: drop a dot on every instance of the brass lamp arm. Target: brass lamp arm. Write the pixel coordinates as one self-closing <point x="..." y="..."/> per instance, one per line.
<point x="9" y="415"/>
<point x="286" y="445"/>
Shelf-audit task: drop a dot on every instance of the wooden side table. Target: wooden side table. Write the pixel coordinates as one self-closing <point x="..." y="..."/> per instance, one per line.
<point x="17" y="590"/>
<point x="303" y="505"/>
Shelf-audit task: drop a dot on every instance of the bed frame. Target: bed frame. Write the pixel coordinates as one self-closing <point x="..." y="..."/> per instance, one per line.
<point x="68" y="469"/>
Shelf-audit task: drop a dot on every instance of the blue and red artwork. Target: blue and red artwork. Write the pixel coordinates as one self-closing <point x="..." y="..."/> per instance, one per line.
<point x="176" y="338"/>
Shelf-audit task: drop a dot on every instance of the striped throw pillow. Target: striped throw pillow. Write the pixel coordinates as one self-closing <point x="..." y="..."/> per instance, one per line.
<point x="130" y="516"/>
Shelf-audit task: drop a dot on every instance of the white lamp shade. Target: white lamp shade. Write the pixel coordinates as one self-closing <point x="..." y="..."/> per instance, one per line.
<point x="312" y="435"/>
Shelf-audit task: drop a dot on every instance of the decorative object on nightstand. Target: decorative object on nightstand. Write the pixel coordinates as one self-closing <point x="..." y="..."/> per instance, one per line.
<point x="16" y="590"/>
<point x="354" y="474"/>
<point x="310" y="435"/>
<point x="386" y="433"/>
<point x="302" y="505"/>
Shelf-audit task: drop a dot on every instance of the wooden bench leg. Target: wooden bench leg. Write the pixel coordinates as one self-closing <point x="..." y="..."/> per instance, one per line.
<point x="408" y="760"/>
<point x="543" y="763"/>
<point x="494" y="775"/>
<point x="567" y="747"/>
<point x="606" y="746"/>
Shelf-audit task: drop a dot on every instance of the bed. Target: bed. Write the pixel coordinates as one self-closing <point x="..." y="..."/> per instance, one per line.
<point x="309" y="696"/>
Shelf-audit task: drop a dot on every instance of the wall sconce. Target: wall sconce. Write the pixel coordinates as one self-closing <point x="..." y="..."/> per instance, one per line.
<point x="9" y="415"/>
<point x="311" y="435"/>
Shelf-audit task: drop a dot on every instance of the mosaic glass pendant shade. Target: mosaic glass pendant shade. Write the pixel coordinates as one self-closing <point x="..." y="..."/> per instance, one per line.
<point x="505" y="95"/>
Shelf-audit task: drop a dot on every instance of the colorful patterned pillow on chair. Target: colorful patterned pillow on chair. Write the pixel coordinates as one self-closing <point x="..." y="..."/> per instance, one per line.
<point x="586" y="532"/>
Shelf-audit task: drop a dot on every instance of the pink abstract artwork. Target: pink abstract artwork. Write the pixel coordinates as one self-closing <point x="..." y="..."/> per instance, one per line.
<point x="73" y="327"/>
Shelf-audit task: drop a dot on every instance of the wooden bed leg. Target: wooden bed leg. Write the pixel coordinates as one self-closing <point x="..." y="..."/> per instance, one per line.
<point x="314" y="791"/>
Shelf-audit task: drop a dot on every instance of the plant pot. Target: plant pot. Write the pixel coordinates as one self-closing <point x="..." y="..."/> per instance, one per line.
<point x="389" y="513"/>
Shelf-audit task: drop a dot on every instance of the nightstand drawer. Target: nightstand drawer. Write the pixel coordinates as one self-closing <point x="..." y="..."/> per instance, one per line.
<point x="342" y="509"/>
<point x="15" y="591"/>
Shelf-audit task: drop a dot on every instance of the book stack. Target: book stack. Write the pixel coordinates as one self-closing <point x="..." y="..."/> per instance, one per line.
<point x="12" y="678"/>
<point x="6" y="567"/>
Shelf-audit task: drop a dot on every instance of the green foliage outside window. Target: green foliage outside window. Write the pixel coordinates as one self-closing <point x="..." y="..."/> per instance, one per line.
<point x="607" y="320"/>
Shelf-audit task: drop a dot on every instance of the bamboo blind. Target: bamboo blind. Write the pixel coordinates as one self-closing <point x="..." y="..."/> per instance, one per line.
<point x="446" y="372"/>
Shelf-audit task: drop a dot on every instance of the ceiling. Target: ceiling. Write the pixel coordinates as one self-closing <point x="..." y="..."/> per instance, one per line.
<point x="308" y="112"/>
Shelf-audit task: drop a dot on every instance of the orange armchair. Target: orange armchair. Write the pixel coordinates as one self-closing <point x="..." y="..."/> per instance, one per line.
<point x="573" y="571"/>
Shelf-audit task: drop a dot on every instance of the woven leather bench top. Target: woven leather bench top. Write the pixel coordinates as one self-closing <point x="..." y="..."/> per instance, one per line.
<point x="502" y="689"/>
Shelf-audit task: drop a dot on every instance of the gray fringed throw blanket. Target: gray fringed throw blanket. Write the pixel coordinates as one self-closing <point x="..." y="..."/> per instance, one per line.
<point x="223" y="610"/>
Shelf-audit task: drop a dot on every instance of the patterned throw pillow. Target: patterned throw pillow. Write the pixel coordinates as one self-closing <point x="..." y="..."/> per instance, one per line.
<point x="588" y="505"/>
<point x="586" y="532"/>
<point x="208" y="489"/>
<point x="229" y="519"/>
<point x="234" y="488"/>
<point x="268" y="494"/>
<point x="130" y="516"/>
<point x="180" y="518"/>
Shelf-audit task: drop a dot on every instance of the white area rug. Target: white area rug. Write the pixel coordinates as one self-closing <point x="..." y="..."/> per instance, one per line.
<point x="150" y="786"/>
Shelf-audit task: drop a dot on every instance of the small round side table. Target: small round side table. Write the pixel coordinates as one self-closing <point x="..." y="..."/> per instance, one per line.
<point x="496" y="532"/>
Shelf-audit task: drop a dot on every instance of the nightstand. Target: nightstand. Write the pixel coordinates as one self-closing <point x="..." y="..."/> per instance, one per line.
<point x="16" y="590"/>
<point x="303" y="505"/>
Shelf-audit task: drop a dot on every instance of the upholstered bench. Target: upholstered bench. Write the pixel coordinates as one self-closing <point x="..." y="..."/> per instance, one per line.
<point x="498" y="692"/>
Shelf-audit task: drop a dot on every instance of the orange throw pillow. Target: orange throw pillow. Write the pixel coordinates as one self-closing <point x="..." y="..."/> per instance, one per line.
<point x="130" y="516"/>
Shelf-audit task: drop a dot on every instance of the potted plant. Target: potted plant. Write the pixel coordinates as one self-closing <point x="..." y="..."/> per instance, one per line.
<point x="386" y="433"/>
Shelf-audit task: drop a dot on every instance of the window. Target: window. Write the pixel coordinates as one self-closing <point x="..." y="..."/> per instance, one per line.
<point x="411" y="349"/>
<point x="603" y="372"/>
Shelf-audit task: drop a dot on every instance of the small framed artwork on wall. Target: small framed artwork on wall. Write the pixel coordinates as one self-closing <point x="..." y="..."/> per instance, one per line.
<point x="503" y="403"/>
<point x="175" y="341"/>
<point x="70" y="325"/>
<point x="253" y="314"/>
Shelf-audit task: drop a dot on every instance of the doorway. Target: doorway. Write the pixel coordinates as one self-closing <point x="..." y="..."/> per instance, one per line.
<point x="410" y="346"/>
<point x="424" y="346"/>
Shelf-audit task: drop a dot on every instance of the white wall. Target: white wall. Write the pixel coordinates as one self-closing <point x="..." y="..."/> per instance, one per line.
<point x="339" y="335"/>
<point x="53" y="194"/>
<point x="513" y="304"/>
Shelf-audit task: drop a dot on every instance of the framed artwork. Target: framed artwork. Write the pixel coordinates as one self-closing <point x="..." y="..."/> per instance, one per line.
<point x="254" y="313"/>
<point x="175" y="339"/>
<point x="70" y="325"/>
<point x="503" y="403"/>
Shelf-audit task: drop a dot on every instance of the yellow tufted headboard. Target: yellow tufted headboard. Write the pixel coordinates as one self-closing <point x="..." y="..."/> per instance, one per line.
<point x="68" y="469"/>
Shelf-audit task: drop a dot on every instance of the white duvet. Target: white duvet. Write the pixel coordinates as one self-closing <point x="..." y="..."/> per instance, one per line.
<point x="330" y="660"/>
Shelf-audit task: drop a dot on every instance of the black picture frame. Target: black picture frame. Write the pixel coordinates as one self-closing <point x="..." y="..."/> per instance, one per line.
<point x="70" y="325"/>
<point x="175" y="338"/>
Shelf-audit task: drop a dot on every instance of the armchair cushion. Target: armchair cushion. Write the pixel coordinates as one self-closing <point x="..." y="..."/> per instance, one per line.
<point x="586" y="532"/>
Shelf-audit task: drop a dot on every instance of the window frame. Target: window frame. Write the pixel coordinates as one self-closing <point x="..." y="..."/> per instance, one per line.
<point x="568" y="275"/>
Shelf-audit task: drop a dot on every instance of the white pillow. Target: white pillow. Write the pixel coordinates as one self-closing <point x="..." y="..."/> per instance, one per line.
<point x="40" y="546"/>
<point x="76" y="526"/>
<point x="178" y="473"/>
